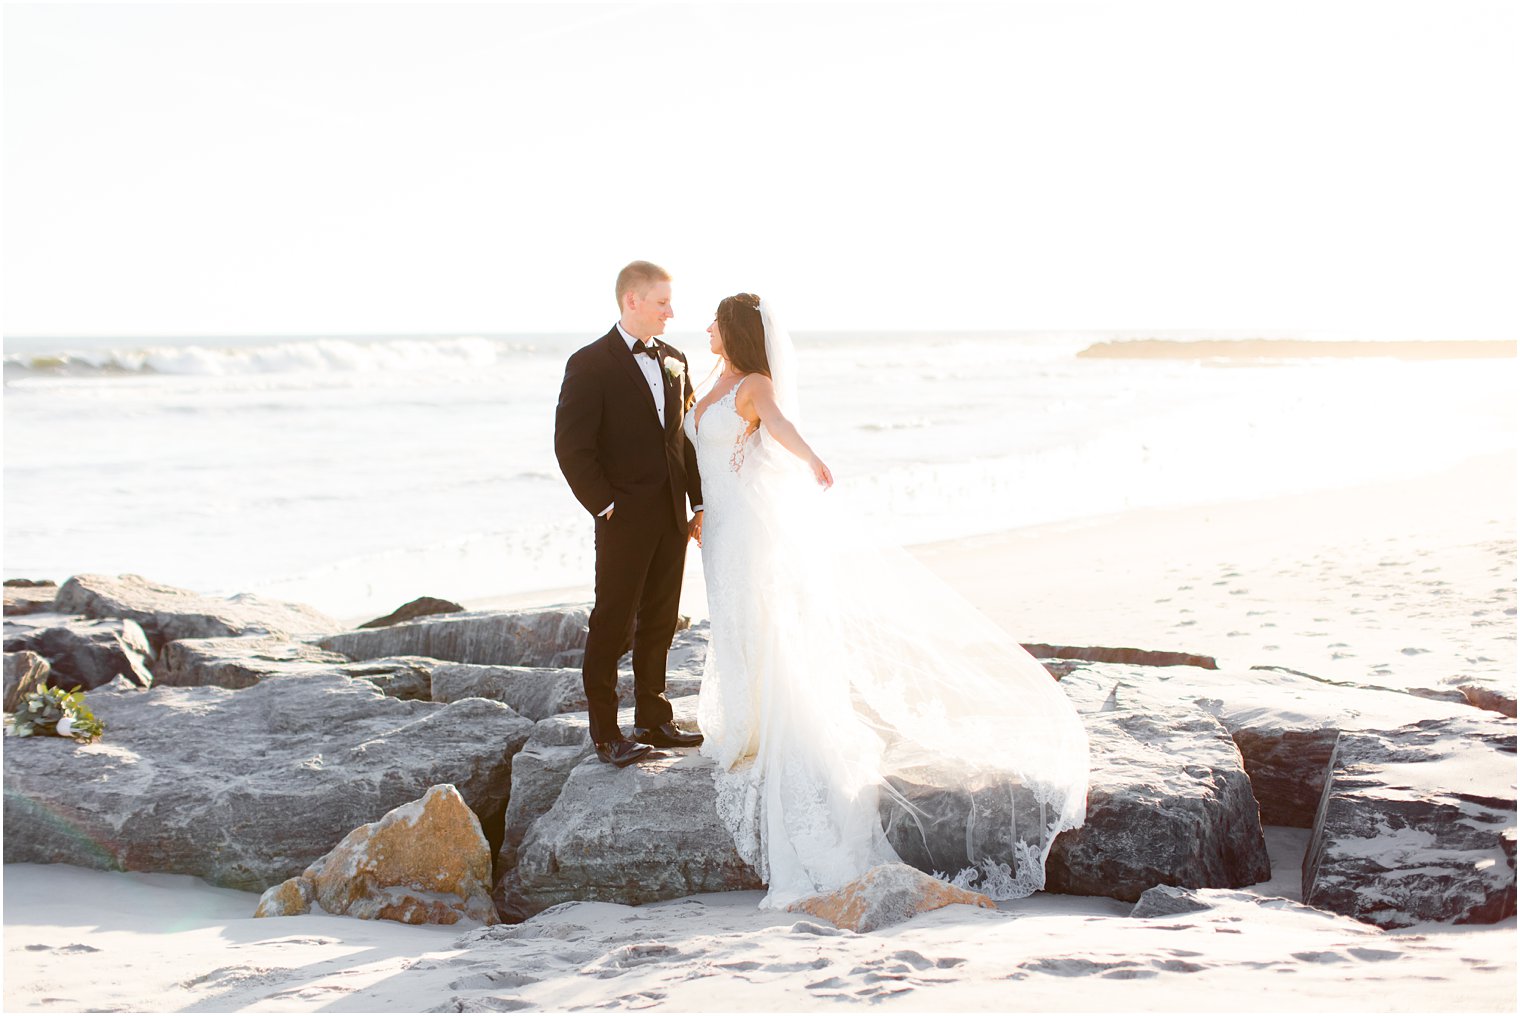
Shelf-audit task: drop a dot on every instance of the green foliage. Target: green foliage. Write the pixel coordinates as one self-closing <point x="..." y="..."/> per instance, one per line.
<point x="43" y="710"/>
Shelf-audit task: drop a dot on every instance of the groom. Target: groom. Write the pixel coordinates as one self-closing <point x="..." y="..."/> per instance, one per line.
<point x="621" y="446"/>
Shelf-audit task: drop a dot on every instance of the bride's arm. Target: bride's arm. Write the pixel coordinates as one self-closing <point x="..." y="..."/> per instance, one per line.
<point x="757" y="398"/>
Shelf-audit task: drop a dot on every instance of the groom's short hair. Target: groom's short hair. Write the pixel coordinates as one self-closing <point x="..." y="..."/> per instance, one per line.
<point x="639" y="276"/>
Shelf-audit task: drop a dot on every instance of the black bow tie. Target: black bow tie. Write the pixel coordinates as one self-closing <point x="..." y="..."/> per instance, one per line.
<point x="652" y="351"/>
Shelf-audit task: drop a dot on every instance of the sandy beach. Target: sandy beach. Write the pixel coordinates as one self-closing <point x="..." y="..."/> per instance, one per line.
<point x="1388" y="585"/>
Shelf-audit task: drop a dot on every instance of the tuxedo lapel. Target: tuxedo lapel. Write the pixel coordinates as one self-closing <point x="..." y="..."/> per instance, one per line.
<point x="618" y="350"/>
<point x="672" y="394"/>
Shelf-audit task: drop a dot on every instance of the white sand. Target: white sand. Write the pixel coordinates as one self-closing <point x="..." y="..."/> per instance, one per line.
<point x="1391" y="584"/>
<point x="80" y="940"/>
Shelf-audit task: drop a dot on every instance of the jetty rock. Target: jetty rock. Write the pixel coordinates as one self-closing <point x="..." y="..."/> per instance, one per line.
<point x="244" y="787"/>
<point x="423" y="862"/>
<point x="168" y="612"/>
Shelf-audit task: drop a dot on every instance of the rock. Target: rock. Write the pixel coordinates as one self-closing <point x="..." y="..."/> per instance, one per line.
<point x="521" y="638"/>
<point x="1168" y="802"/>
<point x="422" y="606"/>
<point x="1163" y="900"/>
<point x="887" y="894"/>
<point x="546" y="637"/>
<point x="30" y="599"/>
<point x="238" y="661"/>
<point x="534" y="692"/>
<point x="646" y="832"/>
<point x="402" y="677"/>
<point x="24" y="583"/>
<point x="87" y="654"/>
<point x="244" y="787"/>
<point x="539" y="771"/>
<point x="538" y="692"/>
<point x="290" y="898"/>
<point x="245" y="660"/>
<point x="424" y="862"/>
<point x="1285" y="724"/>
<point x="168" y="612"/>
<point x="1113" y="654"/>
<point x="1484" y="691"/>
<point x="1417" y="824"/>
<point x="25" y="672"/>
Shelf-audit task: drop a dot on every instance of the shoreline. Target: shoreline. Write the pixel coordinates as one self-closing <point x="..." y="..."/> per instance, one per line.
<point x="1079" y="579"/>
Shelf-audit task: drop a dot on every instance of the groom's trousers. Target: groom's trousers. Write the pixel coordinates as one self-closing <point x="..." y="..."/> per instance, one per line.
<point x="638" y="592"/>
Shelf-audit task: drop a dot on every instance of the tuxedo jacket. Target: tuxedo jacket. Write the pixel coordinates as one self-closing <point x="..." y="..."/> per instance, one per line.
<point x="608" y="438"/>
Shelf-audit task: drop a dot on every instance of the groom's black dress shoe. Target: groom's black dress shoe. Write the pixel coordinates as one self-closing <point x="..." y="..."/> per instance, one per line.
<point x="621" y="752"/>
<point x="666" y="735"/>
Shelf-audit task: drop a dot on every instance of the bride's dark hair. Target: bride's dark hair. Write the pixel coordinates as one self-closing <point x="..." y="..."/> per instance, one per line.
<point x="743" y="333"/>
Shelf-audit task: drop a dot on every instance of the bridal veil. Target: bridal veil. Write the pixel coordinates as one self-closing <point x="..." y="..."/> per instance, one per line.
<point x="976" y="756"/>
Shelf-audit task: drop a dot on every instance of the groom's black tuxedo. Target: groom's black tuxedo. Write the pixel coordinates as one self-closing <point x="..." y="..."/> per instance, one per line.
<point x="613" y="450"/>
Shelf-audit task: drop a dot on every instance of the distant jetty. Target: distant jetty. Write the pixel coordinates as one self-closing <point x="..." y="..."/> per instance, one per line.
<point x="1282" y="349"/>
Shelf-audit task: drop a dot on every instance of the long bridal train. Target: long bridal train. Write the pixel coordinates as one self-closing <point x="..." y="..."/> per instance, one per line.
<point x="858" y="710"/>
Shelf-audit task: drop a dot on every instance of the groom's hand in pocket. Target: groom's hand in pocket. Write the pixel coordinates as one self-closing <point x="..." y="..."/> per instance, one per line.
<point x="694" y="528"/>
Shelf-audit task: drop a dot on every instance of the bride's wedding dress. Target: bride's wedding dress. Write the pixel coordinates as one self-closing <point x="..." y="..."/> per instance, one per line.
<point x="858" y="711"/>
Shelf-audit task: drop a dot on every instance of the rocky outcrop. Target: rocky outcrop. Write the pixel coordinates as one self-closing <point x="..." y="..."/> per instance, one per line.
<point x="1417" y="824"/>
<point x="86" y="654"/>
<point x="244" y="787"/>
<point x="25" y="672"/>
<point x="522" y="638"/>
<point x="1119" y="654"/>
<point x="887" y="894"/>
<point x="424" y="862"/>
<point x="168" y="612"/>
<point x="422" y="606"/>
<point x="237" y="662"/>
<point x="1168" y="802"/>
<point x="30" y="597"/>
<point x="1284" y="724"/>
<point x="1487" y="691"/>
<point x="646" y="832"/>
<point x="557" y="745"/>
<point x="248" y="659"/>
<point x="538" y="692"/>
<point x="553" y="637"/>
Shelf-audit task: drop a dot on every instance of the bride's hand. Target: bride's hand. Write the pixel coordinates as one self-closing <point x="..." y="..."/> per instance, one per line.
<point x="821" y="473"/>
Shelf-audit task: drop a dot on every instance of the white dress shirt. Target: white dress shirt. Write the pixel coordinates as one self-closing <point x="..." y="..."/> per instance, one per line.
<point x="650" y="368"/>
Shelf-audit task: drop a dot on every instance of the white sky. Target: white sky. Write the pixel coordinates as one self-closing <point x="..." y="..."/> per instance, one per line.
<point x="288" y="168"/>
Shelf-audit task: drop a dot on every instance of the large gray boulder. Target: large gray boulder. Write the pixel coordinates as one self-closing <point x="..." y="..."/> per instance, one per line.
<point x="546" y="637"/>
<point x="1285" y="724"/>
<point x="248" y="659"/>
<point x="1168" y="802"/>
<point x="1418" y="824"/>
<point x="237" y="662"/>
<point x="245" y="788"/>
<point x="85" y="654"/>
<point x="538" y="692"/>
<point x="646" y="832"/>
<point x="522" y="638"/>
<point x="169" y="612"/>
<point x="557" y="745"/>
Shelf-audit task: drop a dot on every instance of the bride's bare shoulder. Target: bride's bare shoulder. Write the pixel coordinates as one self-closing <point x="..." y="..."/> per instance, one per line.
<point x="751" y="384"/>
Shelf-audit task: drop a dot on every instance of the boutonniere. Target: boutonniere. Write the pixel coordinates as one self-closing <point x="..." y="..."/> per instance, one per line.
<point x="675" y="368"/>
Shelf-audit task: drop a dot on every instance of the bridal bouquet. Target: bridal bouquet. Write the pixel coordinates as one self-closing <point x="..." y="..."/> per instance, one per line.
<point x="55" y="711"/>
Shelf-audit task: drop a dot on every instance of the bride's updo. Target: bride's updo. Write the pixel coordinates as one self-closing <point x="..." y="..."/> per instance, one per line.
<point x="743" y="333"/>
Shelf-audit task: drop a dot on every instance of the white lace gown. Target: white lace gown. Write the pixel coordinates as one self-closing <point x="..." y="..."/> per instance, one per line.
<point x="843" y="675"/>
<point x="796" y="765"/>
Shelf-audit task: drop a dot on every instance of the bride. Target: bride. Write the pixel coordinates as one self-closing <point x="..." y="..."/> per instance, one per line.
<point x="858" y="710"/>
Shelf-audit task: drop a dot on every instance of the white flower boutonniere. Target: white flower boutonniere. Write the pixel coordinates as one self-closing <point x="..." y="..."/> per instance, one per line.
<point x="675" y="368"/>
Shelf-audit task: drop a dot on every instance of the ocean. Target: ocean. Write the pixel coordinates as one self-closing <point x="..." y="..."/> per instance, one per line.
<point x="356" y="473"/>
